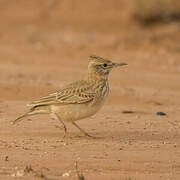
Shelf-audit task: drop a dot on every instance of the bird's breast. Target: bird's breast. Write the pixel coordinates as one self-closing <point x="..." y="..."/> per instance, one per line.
<point x="73" y="112"/>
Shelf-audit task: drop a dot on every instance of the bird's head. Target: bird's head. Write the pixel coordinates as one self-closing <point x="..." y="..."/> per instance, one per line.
<point x="100" y="68"/>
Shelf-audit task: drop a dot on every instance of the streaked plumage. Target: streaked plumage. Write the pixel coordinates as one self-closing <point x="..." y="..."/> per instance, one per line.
<point x="78" y="100"/>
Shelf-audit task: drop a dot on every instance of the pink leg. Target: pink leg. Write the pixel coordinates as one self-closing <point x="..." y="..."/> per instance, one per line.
<point x="55" y="116"/>
<point x="85" y="133"/>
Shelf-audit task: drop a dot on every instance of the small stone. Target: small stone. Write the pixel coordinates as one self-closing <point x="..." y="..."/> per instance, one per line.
<point x="65" y="174"/>
<point x="20" y="173"/>
<point x="6" y="158"/>
<point x="159" y="113"/>
<point x="128" y="111"/>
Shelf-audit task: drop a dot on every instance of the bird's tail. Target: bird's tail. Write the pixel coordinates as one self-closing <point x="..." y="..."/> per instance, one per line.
<point x="34" y="110"/>
<point x="20" y="118"/>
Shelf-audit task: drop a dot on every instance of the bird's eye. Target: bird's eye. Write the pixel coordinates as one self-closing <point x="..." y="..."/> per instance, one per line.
<point x="104" y="65"/>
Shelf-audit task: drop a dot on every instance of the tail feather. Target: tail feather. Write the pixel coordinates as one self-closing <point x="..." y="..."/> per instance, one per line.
<point x="19" y="118"/>
<point x="34" y="110"/>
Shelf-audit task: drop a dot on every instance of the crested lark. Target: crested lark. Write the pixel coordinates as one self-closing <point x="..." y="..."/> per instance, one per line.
<point x="78" y="100"/>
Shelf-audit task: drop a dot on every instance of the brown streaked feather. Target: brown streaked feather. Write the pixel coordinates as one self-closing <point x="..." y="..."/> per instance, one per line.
<point x="75" y="93"/>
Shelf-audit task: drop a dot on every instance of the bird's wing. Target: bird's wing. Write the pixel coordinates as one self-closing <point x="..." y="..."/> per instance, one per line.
<point x="76" y="93"/>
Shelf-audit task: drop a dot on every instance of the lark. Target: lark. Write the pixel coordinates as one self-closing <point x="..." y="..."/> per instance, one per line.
<point x="78" y="100"/>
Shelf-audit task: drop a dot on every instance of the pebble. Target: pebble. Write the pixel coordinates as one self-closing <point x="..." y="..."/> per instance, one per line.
<point x="19" y="173"/>
<point x="66" y="174"/>
<point x="161" y="113"/>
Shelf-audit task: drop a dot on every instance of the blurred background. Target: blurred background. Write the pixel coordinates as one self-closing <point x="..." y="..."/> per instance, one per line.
<point x="45" y="44"/>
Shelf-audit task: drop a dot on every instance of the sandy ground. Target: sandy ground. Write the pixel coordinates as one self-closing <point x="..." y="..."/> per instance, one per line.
<point x="41" y="50"/>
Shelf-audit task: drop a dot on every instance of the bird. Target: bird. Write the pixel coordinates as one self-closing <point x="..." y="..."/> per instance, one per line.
<point x="78" y="100"/>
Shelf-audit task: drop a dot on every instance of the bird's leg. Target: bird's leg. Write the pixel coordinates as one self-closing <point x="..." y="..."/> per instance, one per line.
<point x="85" y="133"/>
<point x="55" y="116"/>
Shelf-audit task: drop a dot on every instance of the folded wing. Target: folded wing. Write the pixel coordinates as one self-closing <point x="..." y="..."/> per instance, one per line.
<point x="76" y="93"/>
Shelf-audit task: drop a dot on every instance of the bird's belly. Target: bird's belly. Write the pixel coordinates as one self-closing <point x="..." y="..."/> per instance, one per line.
<point x="75" y="112"/>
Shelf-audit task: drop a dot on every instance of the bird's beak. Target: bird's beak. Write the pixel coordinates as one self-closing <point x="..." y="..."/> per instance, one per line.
<point x="119" y="64"/>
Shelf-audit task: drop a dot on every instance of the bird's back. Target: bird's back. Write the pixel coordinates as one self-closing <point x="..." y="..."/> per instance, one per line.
<point x="74" y="93"/>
